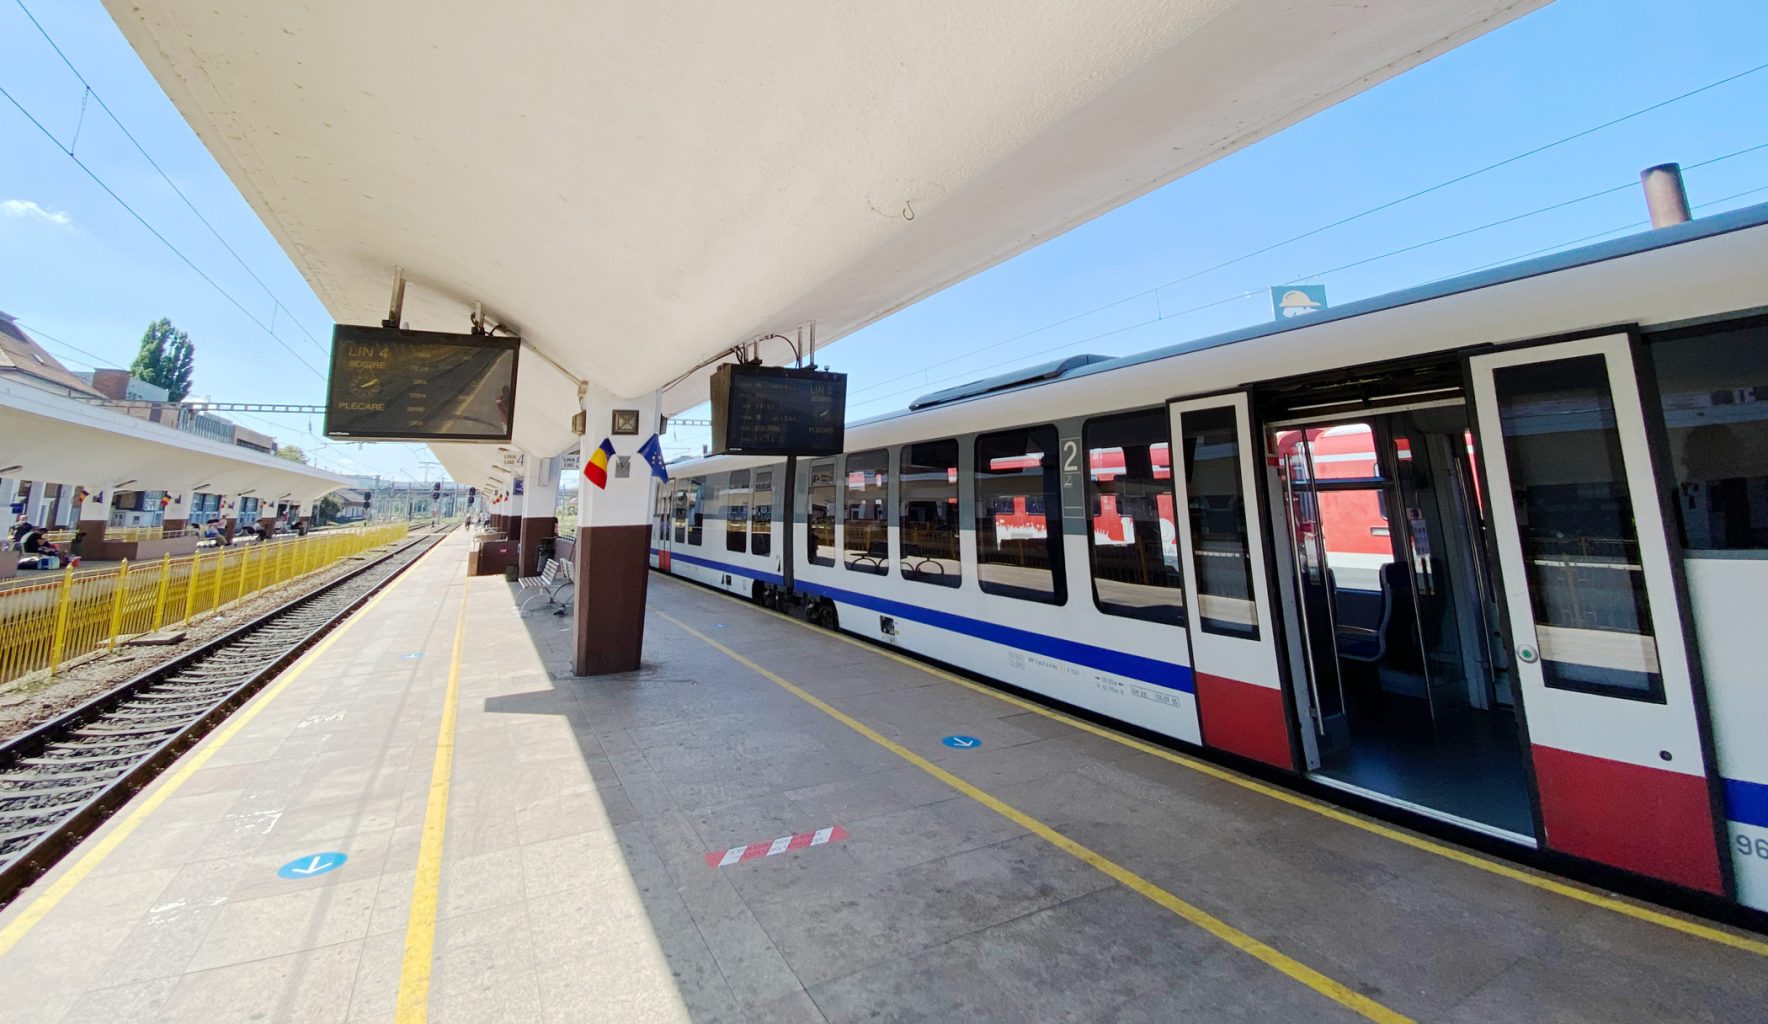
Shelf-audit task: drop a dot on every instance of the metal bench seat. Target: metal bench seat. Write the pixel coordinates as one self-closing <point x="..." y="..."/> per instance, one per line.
<point x="554" y="577"/>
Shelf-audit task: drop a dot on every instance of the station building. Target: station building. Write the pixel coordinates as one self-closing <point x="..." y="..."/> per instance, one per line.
<point x="63" y="465"/>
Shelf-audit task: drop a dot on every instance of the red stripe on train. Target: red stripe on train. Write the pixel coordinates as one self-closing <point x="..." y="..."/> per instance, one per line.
<point x="1647" y="820"/>
<point x="1243" y="719"/>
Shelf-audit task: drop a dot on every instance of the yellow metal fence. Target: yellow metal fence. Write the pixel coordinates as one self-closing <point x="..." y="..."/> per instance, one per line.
<point x="43" y="625"/>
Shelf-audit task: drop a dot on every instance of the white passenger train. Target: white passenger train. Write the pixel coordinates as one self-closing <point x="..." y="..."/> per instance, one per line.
<point x="1493" y="550"/>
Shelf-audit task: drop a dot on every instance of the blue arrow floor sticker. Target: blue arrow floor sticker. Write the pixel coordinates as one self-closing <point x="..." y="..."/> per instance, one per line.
<point x="962" y="742"/>
<point x="307" y="867"/>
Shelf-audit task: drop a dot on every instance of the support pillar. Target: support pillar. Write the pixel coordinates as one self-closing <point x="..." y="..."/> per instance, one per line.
<point x="613" y="543"/>
<point x="176" y="515"/>
<point x="62" y="513"/>
<point x="229" y="518"/>
<point x="513" y="517"/>
<point x="540" y="499"/>
<point x="304" y="516"/>
<point x="93" y="521"/>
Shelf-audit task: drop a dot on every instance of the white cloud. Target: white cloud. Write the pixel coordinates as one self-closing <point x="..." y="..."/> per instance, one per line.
<point x="26" y="208"/>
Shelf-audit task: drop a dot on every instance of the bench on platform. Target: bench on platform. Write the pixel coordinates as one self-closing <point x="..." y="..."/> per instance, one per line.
<point x="554" y="577"/>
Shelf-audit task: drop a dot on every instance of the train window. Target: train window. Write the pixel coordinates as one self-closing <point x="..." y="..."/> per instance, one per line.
<point x="664" y="498"/>
<point x="927" y="513"/>
<point x="761" y="514"/>
<point x="696" y="511"/>
<point x="865" y="541"/>
<point x="820" y="514"/>
<point x="1580" y="545"/>
<point x="1220" y="553"/>
<point x="1019" y="515"/>
<point x="680" y="513"/>
<point x="1714" y="387"/>
<point x="1133" y="541"/>
<point x="736" y="512"/>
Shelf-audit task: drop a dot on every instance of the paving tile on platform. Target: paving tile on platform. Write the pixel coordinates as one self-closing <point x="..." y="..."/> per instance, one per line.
<point x="311" y="987"/>
<point x="877" y="917"/>
<point x="270" y="926"/>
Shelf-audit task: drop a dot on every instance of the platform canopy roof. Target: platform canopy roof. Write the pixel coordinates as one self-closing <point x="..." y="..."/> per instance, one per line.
<point x="54" y="437"/>
<point x="638" y="186"/>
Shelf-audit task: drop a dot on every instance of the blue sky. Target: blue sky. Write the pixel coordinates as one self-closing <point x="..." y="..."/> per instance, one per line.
<point x="87" y="277"/>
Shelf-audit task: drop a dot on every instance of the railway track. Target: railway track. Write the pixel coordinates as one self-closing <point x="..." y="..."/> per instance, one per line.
<point x="62" y="779"/>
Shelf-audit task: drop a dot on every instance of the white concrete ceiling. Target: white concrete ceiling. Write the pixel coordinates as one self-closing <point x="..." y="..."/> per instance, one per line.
<point x="638" y="186"/>
<point x="52" y="437"/>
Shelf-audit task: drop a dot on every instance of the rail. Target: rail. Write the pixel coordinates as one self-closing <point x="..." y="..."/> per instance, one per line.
<point x="45" y="625"/>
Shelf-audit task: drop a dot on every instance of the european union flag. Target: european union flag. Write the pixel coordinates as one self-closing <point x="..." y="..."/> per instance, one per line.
<point x="652" y="450"/>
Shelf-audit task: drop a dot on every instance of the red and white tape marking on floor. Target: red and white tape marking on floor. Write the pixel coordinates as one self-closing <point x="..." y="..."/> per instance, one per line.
<point x="784" y="844"/>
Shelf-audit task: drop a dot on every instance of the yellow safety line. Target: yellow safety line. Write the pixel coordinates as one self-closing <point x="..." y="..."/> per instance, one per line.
<point x="420" y="926"/>
<point x="20" y="926"/>
<point x="1289" y="966"/>
<point x="1499" y="868"/>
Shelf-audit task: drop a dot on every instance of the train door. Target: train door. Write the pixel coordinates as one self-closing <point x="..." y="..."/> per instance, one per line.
<point x="1397" y="633"/>
<point x="1233" y="646"/>
<point x="1596" y="610"/>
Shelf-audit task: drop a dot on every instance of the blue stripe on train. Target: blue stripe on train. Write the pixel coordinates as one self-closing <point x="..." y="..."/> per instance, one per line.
<point x="1746" y="802"/>
<point x="738" y="570"/>
<point x="1148" y="670"/>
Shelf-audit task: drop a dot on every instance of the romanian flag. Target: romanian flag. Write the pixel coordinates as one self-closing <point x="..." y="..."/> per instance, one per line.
<point x="595" y="468"/>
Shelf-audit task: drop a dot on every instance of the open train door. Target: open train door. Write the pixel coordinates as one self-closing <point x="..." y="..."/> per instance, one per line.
<point x="1595" y="610"/>
<point x="1233" y="646"/>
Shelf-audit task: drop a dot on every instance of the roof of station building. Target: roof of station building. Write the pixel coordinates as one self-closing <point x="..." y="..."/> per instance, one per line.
<point x="20" y="354"/>
<point x="636" y="188"/>
<point x="51" y="436"/>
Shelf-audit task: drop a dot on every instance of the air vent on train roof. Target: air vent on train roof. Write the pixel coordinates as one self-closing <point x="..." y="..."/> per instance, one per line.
<point x="1008" y="381"/>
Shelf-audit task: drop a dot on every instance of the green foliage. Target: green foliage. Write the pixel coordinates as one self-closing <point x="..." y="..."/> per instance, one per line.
<point x="167" y="359"/>
<point x="327" y="510"/>
<point x="291" y="453"/>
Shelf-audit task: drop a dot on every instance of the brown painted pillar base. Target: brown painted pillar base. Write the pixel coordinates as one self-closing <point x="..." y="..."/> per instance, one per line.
<point x="228" y="526"/>
<point x="169" y="525"/>
<point x="613" y="571"/>
<point x="90" y="535"/>
<point x="534" y="533"/>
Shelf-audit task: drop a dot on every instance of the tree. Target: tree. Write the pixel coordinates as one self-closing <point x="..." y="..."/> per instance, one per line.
<point x="167" y="359"/>
<point x="327" y="510"/>
<point x="291" y="453"/>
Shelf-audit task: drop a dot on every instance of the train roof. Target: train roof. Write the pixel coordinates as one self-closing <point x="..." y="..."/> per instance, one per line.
<point x="1070" y="369"/>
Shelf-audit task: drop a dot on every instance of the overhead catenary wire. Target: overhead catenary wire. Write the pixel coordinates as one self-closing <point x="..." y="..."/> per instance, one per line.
<point x="1630" y="226"/>
<point x="143" y="221"/>
<point x="1388" y="205"/>
<point x="1245" y="294"/>
<point x="38" y="333"/>
<point x="94" y="95"/>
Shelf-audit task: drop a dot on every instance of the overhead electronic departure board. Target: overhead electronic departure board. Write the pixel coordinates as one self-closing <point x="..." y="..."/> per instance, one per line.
<point x="393" y="385"/>
<point x="777" y="410"/>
